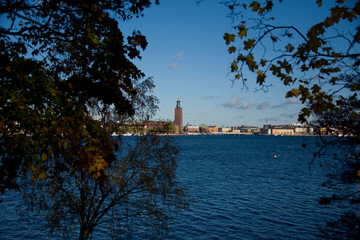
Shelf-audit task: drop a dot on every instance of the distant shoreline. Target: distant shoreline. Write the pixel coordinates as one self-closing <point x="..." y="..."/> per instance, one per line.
<point x="228" y="134"/>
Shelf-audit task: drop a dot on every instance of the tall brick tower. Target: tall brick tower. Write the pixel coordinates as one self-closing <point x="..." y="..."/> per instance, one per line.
<point x="178" y="117"/>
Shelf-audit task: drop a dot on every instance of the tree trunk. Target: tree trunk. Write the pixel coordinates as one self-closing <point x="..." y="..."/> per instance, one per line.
<point x="84" y="232"/>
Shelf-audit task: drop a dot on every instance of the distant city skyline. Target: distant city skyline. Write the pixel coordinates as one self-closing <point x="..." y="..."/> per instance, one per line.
<point x="231" y="104"/>
<point x="188" y="59"/>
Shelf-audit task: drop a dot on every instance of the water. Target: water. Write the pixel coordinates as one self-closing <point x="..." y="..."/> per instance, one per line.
<point x="239" y="190"/>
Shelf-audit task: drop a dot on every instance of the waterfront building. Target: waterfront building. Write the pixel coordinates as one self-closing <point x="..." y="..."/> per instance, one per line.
<point x="152" y="125"/>
<point x="282" y="130"/>
<point x="192" y="129"/>
<point x="266" y="127"/>
<point x="246" y="129"/>
<point x="204" y="128"/>
<point x="213" y="128"/>
<point x="304" y="130"/>
<point x="224" y="129"/>
<point x="178" y="117"/>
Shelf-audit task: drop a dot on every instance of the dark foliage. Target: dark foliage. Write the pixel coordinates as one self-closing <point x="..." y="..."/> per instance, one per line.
<point x="66" y="81"/>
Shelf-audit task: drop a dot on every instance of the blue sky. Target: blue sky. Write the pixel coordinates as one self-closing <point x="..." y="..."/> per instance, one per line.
<point x="188" y="59"/>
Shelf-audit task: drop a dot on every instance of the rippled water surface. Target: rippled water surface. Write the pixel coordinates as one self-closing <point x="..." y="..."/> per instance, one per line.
<point x="239" y="190"/>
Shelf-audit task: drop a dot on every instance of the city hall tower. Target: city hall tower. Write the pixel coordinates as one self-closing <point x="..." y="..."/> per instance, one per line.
<point x="178" y="117"/>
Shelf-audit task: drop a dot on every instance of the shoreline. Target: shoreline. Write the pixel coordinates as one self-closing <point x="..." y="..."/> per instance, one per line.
<point x="232" y="134"/>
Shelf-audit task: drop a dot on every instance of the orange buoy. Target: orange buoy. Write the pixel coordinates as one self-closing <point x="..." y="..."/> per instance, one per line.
<point x="275" y="156"/>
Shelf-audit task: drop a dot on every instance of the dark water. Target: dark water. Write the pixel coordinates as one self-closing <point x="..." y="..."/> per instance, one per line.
<point x="240" y="191"/>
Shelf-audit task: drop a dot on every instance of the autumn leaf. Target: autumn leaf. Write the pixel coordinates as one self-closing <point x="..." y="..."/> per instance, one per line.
<point x="315" y="89"/>
<point x="275" y="69"/>
<point x="353" y="116"/>
<point x="255" y="6"/>
<point x="260" y="77"/>
<point x="289" y="48"/>
<point x="306" y="112"/>
<point x="229" y="38"/>
<point x="273" y="38"/>
<point x="249" y="44"/>
<point x="232" y="49"/>
<point x="250" y="62"/>
<point x="43" y="156"/>
<point x="293" y="93"/>
<point x="234" y="66"/>
<point x="355" y="87"/>
<point x="263" y="62"/>
<point x="242" y="31"/>
<point x="42" y="175"/>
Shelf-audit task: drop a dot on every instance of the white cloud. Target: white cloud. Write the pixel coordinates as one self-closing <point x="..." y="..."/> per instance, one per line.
<point x="210" y="97"/>
<point x="179" y="55"/>
<point x="292" y="100"/>
<point x="290" y="115"/>
<point x="235" y="102"/>
<point x="288" y="102"/>
<point x="173" y="66"/>
<point x="262" y="106"/>
<point x="246" y="105"/>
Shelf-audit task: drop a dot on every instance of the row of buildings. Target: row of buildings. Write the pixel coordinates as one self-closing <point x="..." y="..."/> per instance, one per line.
<point x="267" y="129"/>
<point x="163" y="127"/>
<point x="178" y="128"/>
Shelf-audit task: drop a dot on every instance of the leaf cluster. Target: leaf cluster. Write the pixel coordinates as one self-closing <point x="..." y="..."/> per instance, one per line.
<point x="137" y="189"/>
<point x="61" y="63"/>
<point x="321" y="65"/>
<point x="67" y="81"/>
<point x="311" y="61"/>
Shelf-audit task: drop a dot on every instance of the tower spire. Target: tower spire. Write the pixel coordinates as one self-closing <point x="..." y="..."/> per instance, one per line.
<point x="178" y="103"/>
